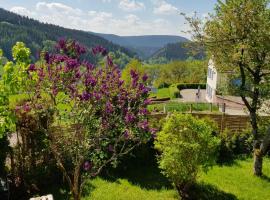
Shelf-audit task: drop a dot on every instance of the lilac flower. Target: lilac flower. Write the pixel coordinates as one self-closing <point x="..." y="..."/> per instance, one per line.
<point x="145" y="77"/>
<point x="32" y="68"/>
<point x="133" y="74"/>
<point x="109" y="61"/>
<point x="55" y="91"/>
<point x="144" y="111"/>
<point x="99" y="49"/>
<point x="26" y="108"/>
<point x="97" y="96"/>
<point x="147" y="102"/>
<point x="143" y="125"/>
<point x="85" y="96"/>
<point x="126" y="134"/>
<point x="89" y="80"/>
<point x="47" y="57"/>
<point x="87" y="165"/>
<point x="129" y="118"/>
<point x="110" y="148"/>
<point x="109" y="107"/>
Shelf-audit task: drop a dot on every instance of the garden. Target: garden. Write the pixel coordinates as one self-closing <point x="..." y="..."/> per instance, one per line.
<point x="78" y="131"/>
<point x="86" y="130"/>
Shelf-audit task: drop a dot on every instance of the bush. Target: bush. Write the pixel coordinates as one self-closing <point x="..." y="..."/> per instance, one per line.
<point x="183" y="86"/>
<point x="187" y="146"/>
<point x="234" y="145"/>
<point x="164" y="85"/>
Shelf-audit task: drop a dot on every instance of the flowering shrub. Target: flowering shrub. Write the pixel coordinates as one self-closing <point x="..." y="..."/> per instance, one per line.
<point x="91" y="116"/>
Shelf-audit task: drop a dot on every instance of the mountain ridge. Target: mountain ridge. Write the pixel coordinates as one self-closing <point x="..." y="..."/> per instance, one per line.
<point x="144" y="45"/>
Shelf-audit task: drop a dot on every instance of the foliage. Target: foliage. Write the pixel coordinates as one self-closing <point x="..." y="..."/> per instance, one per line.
<point x="134" y="65"/>
<point x="91" y="116"/>
<point x="176" y="51"/>
<point x="13" y="82"/>
<point x="180" y="72"/>
<point x="187" y="146"/>
<point x="234" y="145"/>
<point x="183" y="86"/>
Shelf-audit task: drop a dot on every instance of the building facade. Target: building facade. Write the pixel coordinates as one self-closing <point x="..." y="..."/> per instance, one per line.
<point x="212" y="82"/>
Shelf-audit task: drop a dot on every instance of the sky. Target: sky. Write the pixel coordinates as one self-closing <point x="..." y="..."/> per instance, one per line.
<point x="121" y="17"/>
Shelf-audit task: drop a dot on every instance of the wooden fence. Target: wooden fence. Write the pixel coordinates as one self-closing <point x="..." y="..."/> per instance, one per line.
<point x="233" y="123"/>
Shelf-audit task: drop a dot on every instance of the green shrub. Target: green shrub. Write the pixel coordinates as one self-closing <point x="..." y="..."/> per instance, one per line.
<point x="164" y="85"/>
<point x="187" y="146"/>
<point x="234" y="145"/>
<point x="183" y="86"/>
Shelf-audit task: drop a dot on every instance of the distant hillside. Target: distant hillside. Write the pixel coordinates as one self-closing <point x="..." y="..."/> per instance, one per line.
<point x="15" y="28"/>
<point x="176" y="51"/>
<point x="144" y="46"/>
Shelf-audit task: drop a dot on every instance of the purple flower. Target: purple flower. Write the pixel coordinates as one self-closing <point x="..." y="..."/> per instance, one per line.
<point x="109" y="107"/>
<point x="87" y="165"/>
<point x="109" y="61"/>
<point x="144" y="125"/>
<point x="99" y="49"/>
<point x="85" y="96"/>
<point x="32" y="68"/>
<point x="26" y="108"/>
<point x="55" y="91"/>
<point x="145" y="77"/>
<point x="110" y="148"/>
<point x="47" y="57"/>
<point x="147" y="102"/>
<point x="126" y="134"/>
<point x="144" y="111"/>
<point x="90" y="80"/>
<point x="129" y="118"/>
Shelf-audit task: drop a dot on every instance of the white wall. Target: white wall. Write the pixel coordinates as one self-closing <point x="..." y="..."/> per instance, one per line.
<point x="212" y="79"/>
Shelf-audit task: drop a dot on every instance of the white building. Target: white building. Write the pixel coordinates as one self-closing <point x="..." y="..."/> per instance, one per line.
<point x="212" y="82"/>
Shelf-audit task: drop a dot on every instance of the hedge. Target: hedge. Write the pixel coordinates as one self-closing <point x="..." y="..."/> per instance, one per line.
<point x="182" y="86"/>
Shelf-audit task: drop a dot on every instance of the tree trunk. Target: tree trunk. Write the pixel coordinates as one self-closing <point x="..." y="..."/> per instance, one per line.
<point x="77" y="180"/>
<point x="258" y="162"/>
<point x="183" y="190"/>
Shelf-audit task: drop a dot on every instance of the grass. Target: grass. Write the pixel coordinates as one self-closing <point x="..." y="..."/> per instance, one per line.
<point x="234" y="182"/>
<point x="122" y="189"/>
<point x="181" y="107"/>
<point x="239" y="181"/>
<point x="143" y="180"/>
<point x="166" y="92"/>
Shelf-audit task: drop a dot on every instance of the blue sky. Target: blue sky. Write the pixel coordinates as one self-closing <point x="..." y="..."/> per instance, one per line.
<point x="122" y="17"/>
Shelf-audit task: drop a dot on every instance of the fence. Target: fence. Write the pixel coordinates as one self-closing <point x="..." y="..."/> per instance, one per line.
<point x="233" y="123"/>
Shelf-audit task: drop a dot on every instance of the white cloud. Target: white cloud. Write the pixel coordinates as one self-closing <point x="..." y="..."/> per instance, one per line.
<point x="97" y="21"/>
<point x="131" y="5"/>
<point x="21" y="10"/>
<point x="161" y="7"/>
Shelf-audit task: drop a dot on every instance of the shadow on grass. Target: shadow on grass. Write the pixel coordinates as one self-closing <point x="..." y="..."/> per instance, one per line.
<point x="147" y="176"/>
<point x="265" y="178"/>
<point x="204" y="191"/>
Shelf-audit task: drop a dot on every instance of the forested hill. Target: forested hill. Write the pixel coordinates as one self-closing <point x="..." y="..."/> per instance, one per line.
<point x="35" y="34"/>
<point x="177" y="51"/>
<point x="144" y="45"/>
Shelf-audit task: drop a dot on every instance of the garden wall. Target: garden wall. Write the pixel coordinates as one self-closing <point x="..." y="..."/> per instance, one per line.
<point x="234" y="123"/>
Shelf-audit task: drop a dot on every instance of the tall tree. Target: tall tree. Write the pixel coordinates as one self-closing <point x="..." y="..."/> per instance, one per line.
<point x="237" y="36"/>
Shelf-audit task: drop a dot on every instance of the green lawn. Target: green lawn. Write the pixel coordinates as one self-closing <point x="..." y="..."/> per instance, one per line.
<point x="181" y="107"/>
<point x="227" y="182"/>
<point x="239" y="181"/>
<point x="234" y="182"/>
<point x="166" y="92"/>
